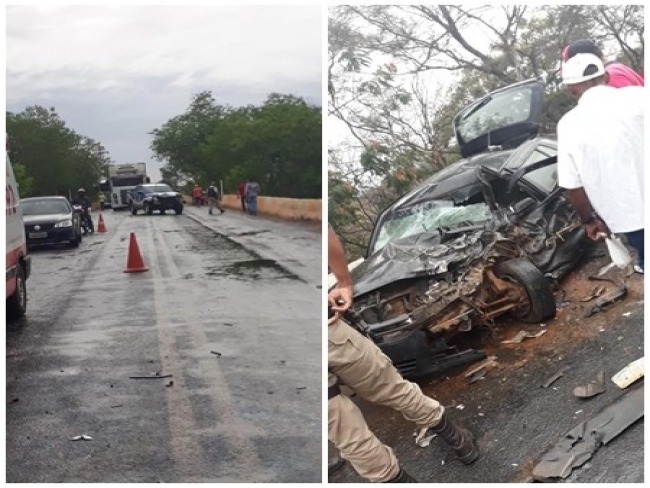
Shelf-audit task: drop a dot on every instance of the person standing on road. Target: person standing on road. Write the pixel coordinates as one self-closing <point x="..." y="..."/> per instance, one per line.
<point x="252" y="191"/>
<point x="213" y="198"/>
<point x="241" y="191"/>
<point x="357" y="362"/>
<point x="619" y="74"/>
<point x="197" y="194"/>
<point x="600" y="152"/>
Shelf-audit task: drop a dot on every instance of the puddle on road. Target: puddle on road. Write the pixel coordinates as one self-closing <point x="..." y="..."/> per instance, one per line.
<point x="224" y="258"/>
<point x="253" y="269"/>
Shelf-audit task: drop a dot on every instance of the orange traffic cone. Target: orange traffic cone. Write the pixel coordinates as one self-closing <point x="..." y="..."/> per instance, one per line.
<point x="134" y="263"/>
<point x="101" y="227"/>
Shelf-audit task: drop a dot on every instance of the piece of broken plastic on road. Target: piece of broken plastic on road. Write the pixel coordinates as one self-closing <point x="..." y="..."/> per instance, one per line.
<point x="82" y="437"/>
<point x="629" y="374"/>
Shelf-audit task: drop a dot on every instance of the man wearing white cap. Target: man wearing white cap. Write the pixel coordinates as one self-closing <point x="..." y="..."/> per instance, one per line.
<point x="600" y="152"/>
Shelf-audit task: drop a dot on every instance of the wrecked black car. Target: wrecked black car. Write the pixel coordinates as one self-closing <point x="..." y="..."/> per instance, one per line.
<point x="485" y="237"/>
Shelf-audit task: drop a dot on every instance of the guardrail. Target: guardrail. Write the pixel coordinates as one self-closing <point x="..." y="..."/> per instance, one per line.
<point x="284" y="208"/>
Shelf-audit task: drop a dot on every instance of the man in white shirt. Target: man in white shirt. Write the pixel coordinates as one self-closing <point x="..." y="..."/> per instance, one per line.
<point x="600" y="152"/>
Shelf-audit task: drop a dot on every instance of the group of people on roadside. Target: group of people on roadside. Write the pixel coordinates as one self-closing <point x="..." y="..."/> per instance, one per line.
<point x="248" y="192"/>
<point x="600" y="165"/>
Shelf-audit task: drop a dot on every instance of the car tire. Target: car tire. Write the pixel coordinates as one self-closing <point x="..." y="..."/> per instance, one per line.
<point x="146" y="207"/>
<point x="179" y="210"/>
<point x="134" y="210"/>
<point x="540" y="296"/>
<point x="17" y="303"/>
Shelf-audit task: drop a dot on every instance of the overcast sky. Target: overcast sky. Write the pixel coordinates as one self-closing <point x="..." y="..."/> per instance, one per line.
<point x="116" y="73"/>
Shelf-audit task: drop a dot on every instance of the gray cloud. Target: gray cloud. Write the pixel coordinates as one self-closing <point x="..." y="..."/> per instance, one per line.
<point x="116" y="73"/>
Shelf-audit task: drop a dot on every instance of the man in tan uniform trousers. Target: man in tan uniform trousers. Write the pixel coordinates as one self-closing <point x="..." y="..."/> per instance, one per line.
<point x="357" y="362"/>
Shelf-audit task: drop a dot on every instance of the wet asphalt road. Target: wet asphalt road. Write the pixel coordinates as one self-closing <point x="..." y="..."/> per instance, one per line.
<point x="516" y="420"/>
<point x="238" y="331"/>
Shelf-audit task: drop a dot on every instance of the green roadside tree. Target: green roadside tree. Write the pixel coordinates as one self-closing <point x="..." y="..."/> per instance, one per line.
<point x="52" y="159"/>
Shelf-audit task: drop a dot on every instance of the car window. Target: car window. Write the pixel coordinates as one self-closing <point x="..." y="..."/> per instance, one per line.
<point x="501" y="110"/>
<point x="429" y="217"/>
<point x="543" y="178"/>
<point x="157" y="189"/>
<point x="45" y="207"/>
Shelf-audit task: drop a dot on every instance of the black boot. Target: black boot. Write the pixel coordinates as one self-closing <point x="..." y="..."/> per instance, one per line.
<point x="459" y="438"/>
<point x="335" y="464"/>
<point x="402" y="477"/>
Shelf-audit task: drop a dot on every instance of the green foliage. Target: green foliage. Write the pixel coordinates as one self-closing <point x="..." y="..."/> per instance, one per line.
<point x="50" y="158"/>
<point x="278" y="144"/>
<point x="24" y="180"/>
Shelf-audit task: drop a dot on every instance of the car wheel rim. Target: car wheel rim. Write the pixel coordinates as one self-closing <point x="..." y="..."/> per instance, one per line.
<point x="522" y="309"/>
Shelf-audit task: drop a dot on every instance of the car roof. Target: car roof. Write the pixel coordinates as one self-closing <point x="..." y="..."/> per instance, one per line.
<point x="51" y="197"/>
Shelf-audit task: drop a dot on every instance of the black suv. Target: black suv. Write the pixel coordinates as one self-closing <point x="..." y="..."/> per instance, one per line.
<point x="156" y="196"/>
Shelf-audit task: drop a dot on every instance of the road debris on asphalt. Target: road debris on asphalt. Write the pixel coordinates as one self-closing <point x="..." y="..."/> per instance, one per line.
<point x="616" y="294"/>
<point x="595" y="293"/>
<point x="218" y="354"/>
<point x="578" y="445"/>
<point x="629" y="374"/>
<point x="489" y="362"/>
<point x="561" y="301"/>
<point x="82" y="437"/>
<point x="478" y="375"/>
<point x="157" y="376"/>
<point x="593" y="388"/>
<point x="524" y="334"/>
<point x="422" y="437"/>
<point x="554" y="378"/>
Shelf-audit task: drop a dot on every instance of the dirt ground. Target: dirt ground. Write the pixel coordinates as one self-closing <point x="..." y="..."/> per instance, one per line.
<point x="515" y="419"/>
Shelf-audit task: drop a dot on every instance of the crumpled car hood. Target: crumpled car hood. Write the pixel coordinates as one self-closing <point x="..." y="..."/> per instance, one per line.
<point x="548" y="235"/>
<point x="418" y="256"/>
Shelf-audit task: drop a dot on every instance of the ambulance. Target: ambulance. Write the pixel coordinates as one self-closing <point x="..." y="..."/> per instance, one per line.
<point x="18" y="259"/>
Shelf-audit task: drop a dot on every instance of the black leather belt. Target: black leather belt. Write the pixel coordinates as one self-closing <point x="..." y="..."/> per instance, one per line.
<point x="332" y="391"/>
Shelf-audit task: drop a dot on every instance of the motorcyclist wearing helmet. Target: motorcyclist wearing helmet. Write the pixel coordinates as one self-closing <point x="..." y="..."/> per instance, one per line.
<point x="83" y="201"/>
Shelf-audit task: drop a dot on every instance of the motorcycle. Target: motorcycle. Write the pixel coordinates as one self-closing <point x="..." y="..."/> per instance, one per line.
<point x="85" y="220"/>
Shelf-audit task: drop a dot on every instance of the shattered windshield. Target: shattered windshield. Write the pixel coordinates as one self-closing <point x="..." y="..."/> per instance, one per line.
<point x="429" y="216"/>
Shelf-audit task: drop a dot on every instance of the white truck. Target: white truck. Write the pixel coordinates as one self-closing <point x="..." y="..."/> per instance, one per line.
<point x="122" y="178"/>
